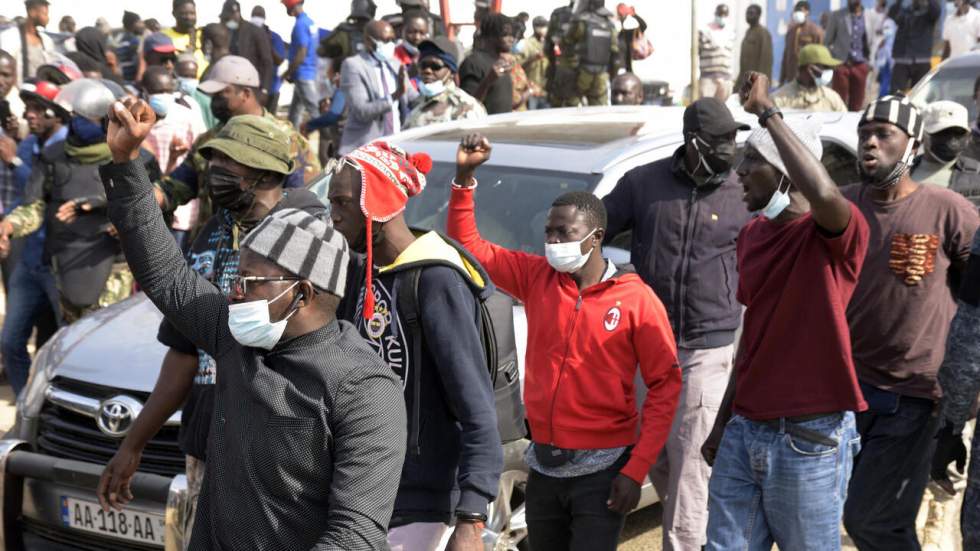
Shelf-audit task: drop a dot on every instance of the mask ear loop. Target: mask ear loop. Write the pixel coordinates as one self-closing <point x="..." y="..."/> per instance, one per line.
<point x="701" y="161"/>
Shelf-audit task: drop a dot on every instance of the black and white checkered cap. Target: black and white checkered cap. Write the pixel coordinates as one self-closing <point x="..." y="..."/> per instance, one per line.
<point x="897" y="110"/>
<point x="304" y="245"/>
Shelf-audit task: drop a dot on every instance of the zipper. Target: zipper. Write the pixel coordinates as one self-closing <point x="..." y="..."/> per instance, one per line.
<point x="685" y="263"/>
<point x="561" y="370"/>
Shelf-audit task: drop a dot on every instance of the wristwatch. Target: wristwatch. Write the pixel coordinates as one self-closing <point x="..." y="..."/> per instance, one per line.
<point x="768" y="114"/>
<point x="471" y="517"/>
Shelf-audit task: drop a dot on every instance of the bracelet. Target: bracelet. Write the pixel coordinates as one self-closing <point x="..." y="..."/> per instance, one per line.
<point x="768" y="114"/>
<point x="457" y="186"/>
<point x="471" y="517"/>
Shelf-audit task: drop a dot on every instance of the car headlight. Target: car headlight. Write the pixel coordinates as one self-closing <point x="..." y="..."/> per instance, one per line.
<point x="31" y="398"/>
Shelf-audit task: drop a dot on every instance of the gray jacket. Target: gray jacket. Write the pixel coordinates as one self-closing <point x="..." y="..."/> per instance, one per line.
<point x="838" y="35"/>
<point x="307" y="439"/>
<point x="366" y="101"/>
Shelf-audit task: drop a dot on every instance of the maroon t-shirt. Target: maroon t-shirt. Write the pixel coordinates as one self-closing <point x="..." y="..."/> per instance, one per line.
<point x="795" y="355"/>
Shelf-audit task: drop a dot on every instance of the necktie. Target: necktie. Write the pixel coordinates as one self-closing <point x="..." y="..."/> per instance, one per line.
<point x="389" y="120"/>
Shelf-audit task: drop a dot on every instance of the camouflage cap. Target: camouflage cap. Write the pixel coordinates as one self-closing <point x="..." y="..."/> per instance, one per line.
<point x="255" y="142"/>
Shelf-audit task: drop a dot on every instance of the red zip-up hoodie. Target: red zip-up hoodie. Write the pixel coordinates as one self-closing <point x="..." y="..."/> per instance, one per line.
<point x="583" y="350"/>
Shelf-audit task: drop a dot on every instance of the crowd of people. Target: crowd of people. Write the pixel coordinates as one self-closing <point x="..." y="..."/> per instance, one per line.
<point x="332" y="366"/>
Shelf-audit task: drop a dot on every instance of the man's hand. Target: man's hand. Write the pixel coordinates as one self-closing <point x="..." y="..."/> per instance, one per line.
<point x="474" y="150"/>
<point x="130" y="120"/>
<point x="755" y="94"/>
<point x="402" y="84"/>
<point x="624" y="496"/>
<point x="8" y="149"/>
<point x="178" y="147"/>
<point x="500" y="68"/>
<point x="466" y="537"/>
<point x="114" y="488"/>
<point x="949" y="448"/>
<point x="6" y="229"/>
<point x="709" y="450"/>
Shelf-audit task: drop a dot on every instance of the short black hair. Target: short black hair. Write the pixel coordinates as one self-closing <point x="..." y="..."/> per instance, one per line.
<point x="179" y="3"/>
<point x="493" y="25"/>
<point x="587" y="203"/>
<point x="258" y="11"/>
<point x="802" y="4"/>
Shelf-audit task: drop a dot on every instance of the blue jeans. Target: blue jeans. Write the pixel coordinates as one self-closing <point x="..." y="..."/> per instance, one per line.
<point x="306" y="97"/>
<point x="769" y="486"/>
<point x="33" y="296"/>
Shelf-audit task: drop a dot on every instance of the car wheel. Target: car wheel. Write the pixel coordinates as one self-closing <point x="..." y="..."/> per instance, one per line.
<point x="506" y="528"/>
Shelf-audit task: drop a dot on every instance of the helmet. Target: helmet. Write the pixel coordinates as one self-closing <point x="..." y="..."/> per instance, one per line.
<point x="61" y="70"/>
<point x="44" y="93"/>
<point x="87" y="97"/>
<point x="364" y="9"/>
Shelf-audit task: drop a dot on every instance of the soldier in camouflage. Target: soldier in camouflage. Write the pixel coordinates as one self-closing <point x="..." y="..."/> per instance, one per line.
<point x="65" y="195"/>
<point x="591" y="48"/>
<point x="233" y="83"/>
<point x="442" y="100"/>
<point x="560" y="78"/>
<point x="959" y="377"/>
<point x="348" y="38"/>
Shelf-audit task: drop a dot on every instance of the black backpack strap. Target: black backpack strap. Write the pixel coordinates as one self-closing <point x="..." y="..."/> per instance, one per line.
<point x="408" y="311"/>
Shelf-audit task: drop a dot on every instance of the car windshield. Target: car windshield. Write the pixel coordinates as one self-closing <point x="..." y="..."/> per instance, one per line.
<point x="949" y="84"/>
<point x="511" y="203"/>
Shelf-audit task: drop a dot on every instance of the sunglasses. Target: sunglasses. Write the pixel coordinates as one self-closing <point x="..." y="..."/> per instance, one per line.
<point x="239" y="283"/>
<point x="431" y="65"/>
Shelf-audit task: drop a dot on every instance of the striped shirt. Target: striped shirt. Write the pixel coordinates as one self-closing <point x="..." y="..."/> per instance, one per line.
<point x="717" y="51"/>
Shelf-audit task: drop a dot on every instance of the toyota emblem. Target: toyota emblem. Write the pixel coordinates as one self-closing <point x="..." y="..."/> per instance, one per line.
<point x="116" y="415"/>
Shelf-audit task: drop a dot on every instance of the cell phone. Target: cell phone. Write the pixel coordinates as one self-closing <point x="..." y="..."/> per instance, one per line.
<point x="4" y="111"/>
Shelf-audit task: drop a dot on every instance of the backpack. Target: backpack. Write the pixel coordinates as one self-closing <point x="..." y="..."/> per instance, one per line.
<point x="496" y="328"/>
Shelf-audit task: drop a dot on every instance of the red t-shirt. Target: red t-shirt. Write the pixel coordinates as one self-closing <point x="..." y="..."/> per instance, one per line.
<point x="795" y="355"/>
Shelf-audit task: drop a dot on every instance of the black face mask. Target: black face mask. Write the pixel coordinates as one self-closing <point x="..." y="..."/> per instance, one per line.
<point x="224" y="187"/>
<point x="718" y="158"/>
<point x="947" y="147"/>
<point x="220" y="109"/>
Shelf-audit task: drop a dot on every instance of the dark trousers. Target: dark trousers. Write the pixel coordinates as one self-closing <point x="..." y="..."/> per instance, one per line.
<point x="890" y="476"/>
<point x="32" y="302"/>
<point x="905" y="75"/>
<point x="571" y="513"/>
<point x="850" y="80"/>
<point x="970" y="513"/>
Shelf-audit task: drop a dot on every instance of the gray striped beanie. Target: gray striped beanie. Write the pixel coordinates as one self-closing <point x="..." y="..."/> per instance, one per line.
<point x="304" y="245"/>
<point x="898" y="110"/>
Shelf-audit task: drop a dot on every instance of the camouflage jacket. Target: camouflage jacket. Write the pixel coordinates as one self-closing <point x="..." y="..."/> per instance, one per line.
<point x="959" y="375"/>
<point x="458" y="105"/>
<point x="577" y="34"/>
<point x="187" y="181"/>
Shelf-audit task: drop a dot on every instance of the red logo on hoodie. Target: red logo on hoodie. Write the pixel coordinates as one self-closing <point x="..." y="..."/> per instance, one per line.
<point x="611" y="320"/>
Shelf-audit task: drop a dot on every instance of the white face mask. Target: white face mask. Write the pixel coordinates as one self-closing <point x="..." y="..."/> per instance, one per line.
<point x="386" y="50"/>
<point x="187" y="85"/>
<point x="720" y="21"/>
<point x="799" y="17"/>
<point x="824" y="78"/>
<point x="778" y="202"/>
<point x="258" y="21"/>
<point x="249" y="322"/>
<point x="567" y="257"/>
<point x="232" y="25"/>
<point x="432" y="89"/>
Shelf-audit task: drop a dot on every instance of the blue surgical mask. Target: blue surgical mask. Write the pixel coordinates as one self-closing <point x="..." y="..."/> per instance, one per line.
<point x="250" y="326"/>
<point x="778" y="202"/>
<point x="518" y="47"/>
<point x="567" y="257"/>
<point x="721" y="21"/>
<point x="88" y="132"/>
<point x="385" y="51"/>
<point x="432" y="89"/>
<point x="160" y="103"/>
<point x="187" y="85"/>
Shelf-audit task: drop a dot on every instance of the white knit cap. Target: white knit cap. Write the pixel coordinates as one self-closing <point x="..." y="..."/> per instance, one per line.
<point x="806" y="129"/>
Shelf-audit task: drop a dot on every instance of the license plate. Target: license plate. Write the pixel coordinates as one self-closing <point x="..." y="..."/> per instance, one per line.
<point x="125" y="524"/>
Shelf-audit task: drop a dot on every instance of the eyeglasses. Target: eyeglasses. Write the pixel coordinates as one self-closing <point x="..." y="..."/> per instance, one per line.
<point x="431" y="65"/>
<point x="239" y="283"/>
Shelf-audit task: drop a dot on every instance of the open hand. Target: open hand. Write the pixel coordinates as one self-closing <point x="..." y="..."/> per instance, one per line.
<point x="624" y="496"/>
<point x="130" y="120"/>
<point x="8" y="149"/>
<point x="11" y="127"/>
<point x="402" y="84"/>
<point x="755" y="94"/>
<point x="474" y="150"/>
<point x="114" y="490"/>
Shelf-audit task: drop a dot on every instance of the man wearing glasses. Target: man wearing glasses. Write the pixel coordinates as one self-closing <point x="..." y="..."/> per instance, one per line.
<point x="308" y="430"/>
<point x="245" y="184"/>
<point x="443" y="100"/>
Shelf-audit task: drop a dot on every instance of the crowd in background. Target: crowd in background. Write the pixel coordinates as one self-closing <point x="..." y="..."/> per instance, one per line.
<point x="226" y="173"/>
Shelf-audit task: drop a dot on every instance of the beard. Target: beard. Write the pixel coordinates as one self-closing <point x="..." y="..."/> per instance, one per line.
<point x="882" y="177"/>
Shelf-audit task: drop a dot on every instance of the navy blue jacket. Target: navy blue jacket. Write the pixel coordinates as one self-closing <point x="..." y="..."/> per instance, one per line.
<point x="460" y="459"/>
<point x="683" y="245"/>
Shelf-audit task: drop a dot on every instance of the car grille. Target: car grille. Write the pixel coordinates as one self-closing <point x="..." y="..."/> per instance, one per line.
<point x="77" y="539"/>
<point x="64" y="433"/>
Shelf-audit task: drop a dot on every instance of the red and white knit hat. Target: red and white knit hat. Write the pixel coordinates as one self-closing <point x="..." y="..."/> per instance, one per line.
<point x="389" y="176"/>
